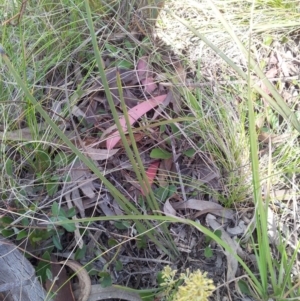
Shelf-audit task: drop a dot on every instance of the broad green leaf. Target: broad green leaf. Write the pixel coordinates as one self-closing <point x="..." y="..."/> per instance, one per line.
<point x="22" y="234"/>
<point x="124" y="64"/>
<point x="49" y="274"/>
<point x="80" y="253"/>
<point x="119" y="266"/>
<point x="105" y="279"/>
<point x="56" y="242"/>
<point x="51" y="188"/>
<point x="9" y="167"/>
<point x="7" y="232"/>
<point x="243" y="286"/>
<point x="70" y="227"/>
<point x="158" y="153"/>
<point x="141" y="242"/>
<point x="41" y="269"/>
<point x="112" y="242"/>
<point x="190" y="152"/>
<point x="122" y="225"/>
<point x="208" y="252"/>
<point x="71" y="212"/>
<point x="55" y="209"/>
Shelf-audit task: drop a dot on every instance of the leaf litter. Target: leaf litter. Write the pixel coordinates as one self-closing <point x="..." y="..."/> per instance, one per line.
<point x="147" y="98"/>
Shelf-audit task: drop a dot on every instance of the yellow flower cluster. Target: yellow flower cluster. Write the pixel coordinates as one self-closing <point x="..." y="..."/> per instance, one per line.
<point x="195" y="287"/>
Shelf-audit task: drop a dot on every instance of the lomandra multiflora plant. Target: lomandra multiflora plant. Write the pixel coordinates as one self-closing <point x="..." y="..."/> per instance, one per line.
<point x="188" y="286"/>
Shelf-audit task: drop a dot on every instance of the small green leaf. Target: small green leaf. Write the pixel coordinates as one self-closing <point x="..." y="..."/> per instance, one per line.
<point x="141" y="243"/>
<point x="163" y="193"/>
<point x="49" y="274"/>
<point x="129" y="45"/>
<point x="56" y="242"/>
<point x="42" y="161"/>
<point x="36" y="238"/>
<point x="70" y="227"/>
<point x="52" y="188"/>
<point x="207" y="239"/>
<point x="71" y="212"/>
<point x="111" y="49"/>
<point x="41" y="269"/>
<point x="208" y="252"/>
<point x="6" y="220"/>
<point x="55" y="209"/>
<point x="159" y="279"/>
<point x="122" y="225"/>
<point x="112" y="242"/>
<point x="25" y="221"/>
<point x="244" y="287"/>
<point x="124" y="64"/>
<point x="80" y="253"/>
<point x="22" y="234"/>
<point x="175" y="129"/>
<point x="9" y="167"/>
<point x="7" y="232"/>
<point x="267" y="40"/>
<point x="218" y="233"/>
<point x="190" y="152"/>
<point x="119" y="266"/>
<point x="158" y="153"/>
<point x="162" y="128"/>
<point x="60" y="159"/>
<point x="105" y="279"/>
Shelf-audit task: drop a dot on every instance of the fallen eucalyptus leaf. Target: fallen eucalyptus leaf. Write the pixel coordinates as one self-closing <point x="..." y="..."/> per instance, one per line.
<point x="168" y="209"/>
<point x="204" y="207"/>
<point x="232" y="263"/>
<point x="99" y="154"/>
<point x="85" y="286"/>
<point x="112" y="292"/>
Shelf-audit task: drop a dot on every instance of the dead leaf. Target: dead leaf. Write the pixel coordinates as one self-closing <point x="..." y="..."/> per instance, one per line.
<point x="149" y="84"/>
<point x="162" y="107"/>
<point x="145" y="75"/>
<point x="204" y="207"/>
<point x="107" y="293"/>
<point x="76" y="111"/>
<point x="81" y="208"/>
<point x="133" y="115"/>
<point x="21" y="134"/>
<point x="142" y="67"/>
<point x="265" y="137"/>
<point x="85" y="284"/>
<point x="80" y="174"/>
<point x="270" y="74"/>
<point x="232" y="263"/>
<point x="151" y="173"/>
<point x="165" y="168"/>
<point x="168" y="208"/>
<point x="99" y="154"/>
<point x="60" y="285"/>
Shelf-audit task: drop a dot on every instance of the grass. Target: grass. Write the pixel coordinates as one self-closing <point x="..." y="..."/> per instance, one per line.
<point x="55" y="51"/>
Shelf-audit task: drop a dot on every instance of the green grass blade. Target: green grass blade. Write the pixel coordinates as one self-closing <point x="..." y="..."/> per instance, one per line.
<point x="279" y="105"/>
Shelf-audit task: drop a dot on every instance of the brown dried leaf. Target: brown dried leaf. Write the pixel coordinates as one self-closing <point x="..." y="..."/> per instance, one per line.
<point x="85" y="284"/>
<point x="133" y="115"/>
<point x="107" y="293"/>
<point x="79" y="174"/>
<point x="270" y="74"/>
<point x="21" y="134"/>
<point x="168" y="208"/>
<point x="99" y="154"/>
<point x="164" y="171"/>
<point x="60" y="285"/>
<point x="232" y="263"/>
<point x="204" y="207"/>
